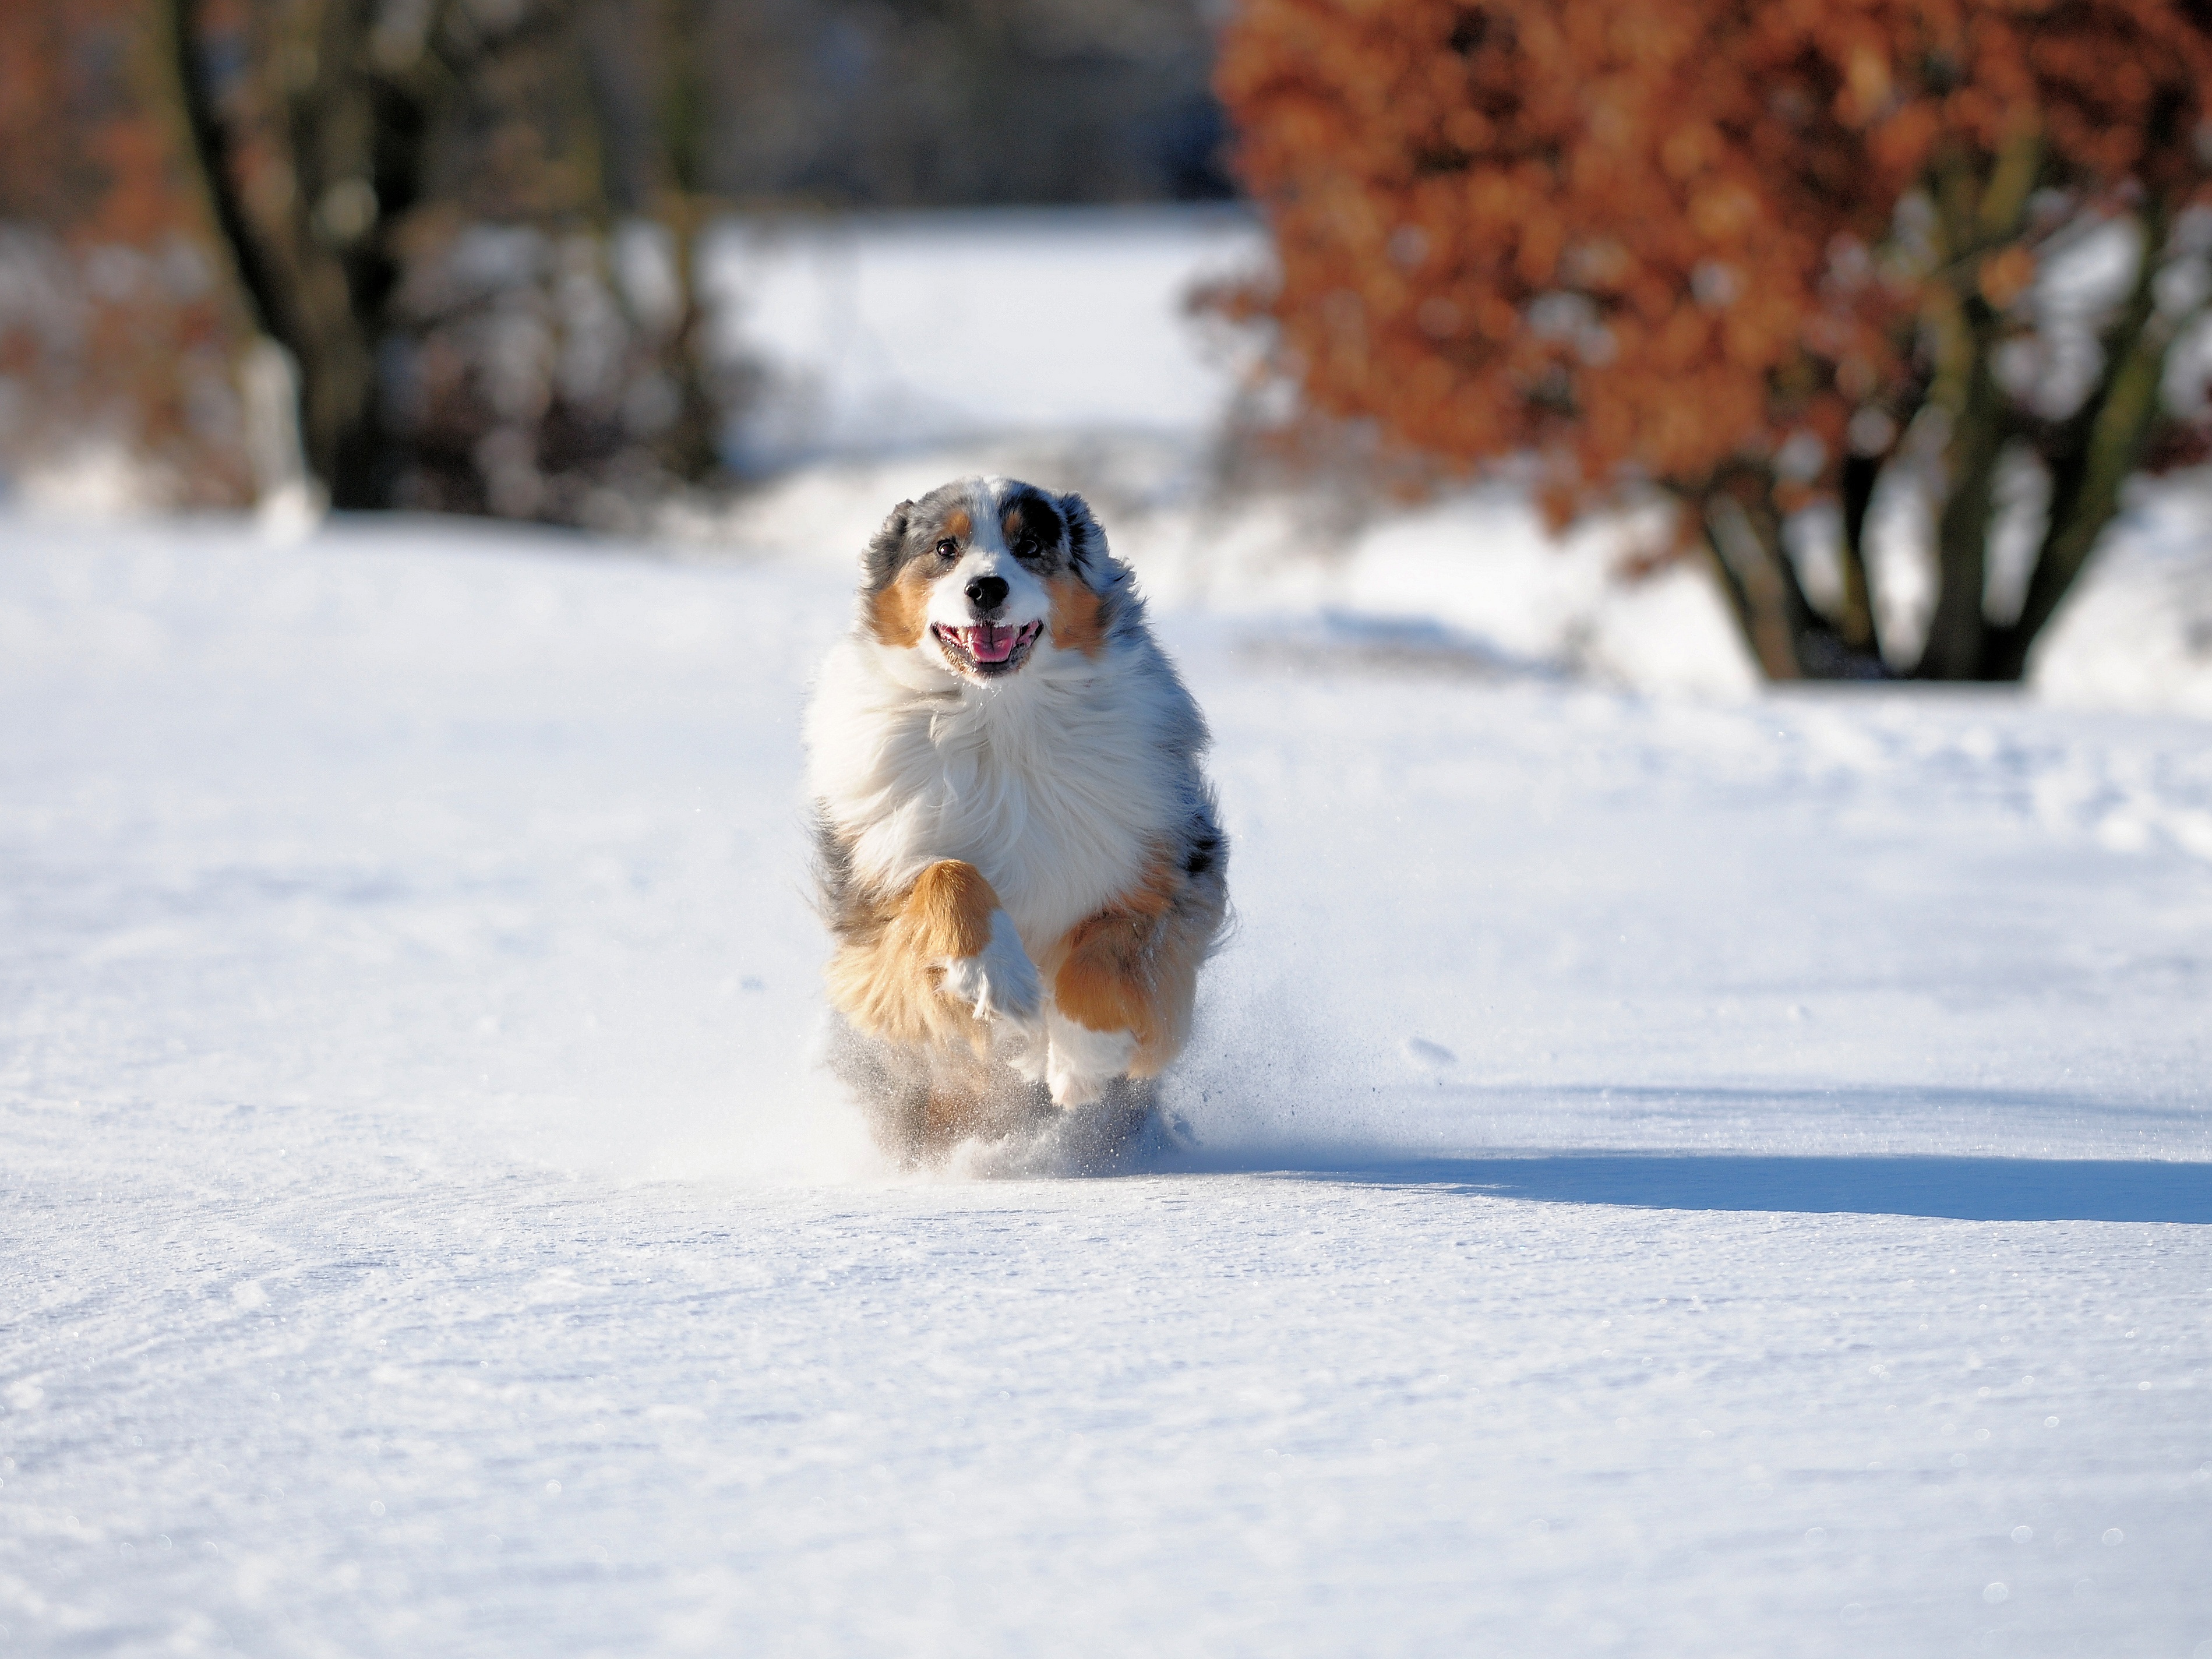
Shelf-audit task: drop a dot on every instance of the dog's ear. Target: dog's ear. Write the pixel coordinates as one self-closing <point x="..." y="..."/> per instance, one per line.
<point x="887" y="548"/>
<point x="1087" y="542"/>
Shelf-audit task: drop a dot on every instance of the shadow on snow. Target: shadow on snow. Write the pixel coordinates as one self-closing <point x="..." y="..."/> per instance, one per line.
<point x="1956" y="1188"/>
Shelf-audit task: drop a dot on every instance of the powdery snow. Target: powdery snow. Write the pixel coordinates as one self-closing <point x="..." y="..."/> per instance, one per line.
<point x="1668" y="1174"/>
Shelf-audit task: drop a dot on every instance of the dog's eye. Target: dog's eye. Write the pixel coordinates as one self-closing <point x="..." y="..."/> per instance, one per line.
<point x="1026" y="548"/>
<point x="948" y="549"/>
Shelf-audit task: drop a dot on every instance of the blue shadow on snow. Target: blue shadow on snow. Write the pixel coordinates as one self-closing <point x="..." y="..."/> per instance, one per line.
<point x="1955" y="1188"/>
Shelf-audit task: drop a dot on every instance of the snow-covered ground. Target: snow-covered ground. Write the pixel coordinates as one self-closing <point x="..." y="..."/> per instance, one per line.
<point x="1674" y="1175"/>
<point x="2138" y="634"/>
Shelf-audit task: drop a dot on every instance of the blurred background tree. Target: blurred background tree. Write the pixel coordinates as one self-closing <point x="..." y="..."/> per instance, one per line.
<point x="117" y="333"/>
<point x="466" y="222"/>
<point x="461" y="234"/>
<point x="1779" y="262"/>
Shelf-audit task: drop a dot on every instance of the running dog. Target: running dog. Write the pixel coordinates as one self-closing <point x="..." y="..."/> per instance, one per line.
<point x="1018" y="853"/>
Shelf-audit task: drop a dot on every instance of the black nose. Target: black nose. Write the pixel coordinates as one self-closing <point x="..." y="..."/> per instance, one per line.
<point x="989" y="592"/>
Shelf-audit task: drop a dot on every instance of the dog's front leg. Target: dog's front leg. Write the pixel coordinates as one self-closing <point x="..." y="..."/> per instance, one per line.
<point x="939" y="963"/>
<point x="1124" y="981"/>
<point x="1104" y="1005"/>
<point x="961" y="930"/>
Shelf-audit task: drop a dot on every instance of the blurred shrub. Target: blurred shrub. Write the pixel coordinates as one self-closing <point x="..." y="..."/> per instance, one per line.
<point x="1765" y="257"/>
<point x="117" y="333"/>
<point x="462" y="219"/>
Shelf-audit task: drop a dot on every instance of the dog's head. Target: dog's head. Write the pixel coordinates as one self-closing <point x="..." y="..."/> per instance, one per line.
<point x="981" y="574"/>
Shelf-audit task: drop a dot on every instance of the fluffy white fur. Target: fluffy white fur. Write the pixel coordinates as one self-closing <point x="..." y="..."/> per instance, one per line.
<point x="1079" y="1061"/>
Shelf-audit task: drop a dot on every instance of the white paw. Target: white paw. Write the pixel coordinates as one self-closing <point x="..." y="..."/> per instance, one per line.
<point x="1083" y="1062"/>
<point x="999" y="981"/>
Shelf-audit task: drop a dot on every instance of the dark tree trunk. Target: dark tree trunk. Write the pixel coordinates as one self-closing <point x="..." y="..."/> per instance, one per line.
<point x="1957" y="631"/>
<point x="313" y="258"/>
<point x="2108" y="440"/>
<point x="1854" y="618"/>
<point x="1789" y="637"/>
<point x="208" y="155"/>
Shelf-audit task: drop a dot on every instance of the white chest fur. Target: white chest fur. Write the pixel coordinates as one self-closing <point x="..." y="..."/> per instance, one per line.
<point x="1056" y="785"/>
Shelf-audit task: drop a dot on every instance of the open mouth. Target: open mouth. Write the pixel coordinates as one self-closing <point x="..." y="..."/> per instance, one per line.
<point x="985" y="647"/>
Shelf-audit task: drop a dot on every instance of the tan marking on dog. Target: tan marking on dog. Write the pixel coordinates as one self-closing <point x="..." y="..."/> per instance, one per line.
<point x="1078" y="616"/>
<point x="899" y="612"/>
<point x="958" y="524"/>
<point x="951" y="909"/>
<point x="888" y="981"/>
<point x="1134" y="966"/>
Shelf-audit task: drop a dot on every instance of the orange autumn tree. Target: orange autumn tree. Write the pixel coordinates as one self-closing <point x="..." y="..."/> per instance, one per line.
<point x="1752" y="255"/>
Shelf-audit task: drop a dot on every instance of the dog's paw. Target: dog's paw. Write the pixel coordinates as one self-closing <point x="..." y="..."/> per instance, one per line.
<point x="999" y="982"/>
<point x="1083" y="1062"/>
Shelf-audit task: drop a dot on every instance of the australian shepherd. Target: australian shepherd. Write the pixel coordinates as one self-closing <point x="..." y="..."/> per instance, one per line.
<point x="1019" y="855"/>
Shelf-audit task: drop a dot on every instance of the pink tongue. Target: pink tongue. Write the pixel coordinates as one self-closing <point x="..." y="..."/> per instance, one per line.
<point x="991" y="644"/>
